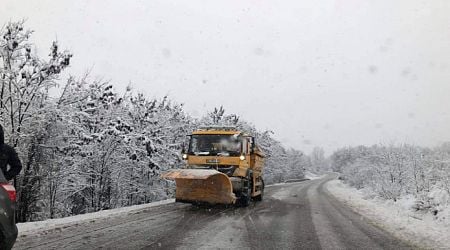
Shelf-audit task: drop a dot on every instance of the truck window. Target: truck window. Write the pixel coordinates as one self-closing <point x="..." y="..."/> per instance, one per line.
<point x="224" y="145"/>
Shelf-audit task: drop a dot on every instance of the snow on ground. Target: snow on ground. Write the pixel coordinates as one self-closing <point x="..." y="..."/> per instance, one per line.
<point x="275" y="184"/>
<point x="395" y="217"/>
<point x="312" y="176"/>
<point x="282" y="193"/>
<point x="28" y="228"/>
<point x="308" y="176"/>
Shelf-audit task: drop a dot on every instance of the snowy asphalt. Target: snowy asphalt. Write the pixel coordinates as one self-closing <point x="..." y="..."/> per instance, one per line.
<point x="300" y="215"/>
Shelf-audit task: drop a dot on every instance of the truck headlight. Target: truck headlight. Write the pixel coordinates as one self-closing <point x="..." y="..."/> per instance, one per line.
<point x="242" y="157"/>
<point x="185" y="156"/>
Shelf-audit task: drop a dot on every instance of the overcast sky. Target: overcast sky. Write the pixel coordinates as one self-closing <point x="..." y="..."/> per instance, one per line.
<point x="318" y="73"/>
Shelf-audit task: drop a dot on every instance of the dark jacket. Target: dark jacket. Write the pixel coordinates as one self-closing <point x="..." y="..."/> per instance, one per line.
<point x="8" y="156"/>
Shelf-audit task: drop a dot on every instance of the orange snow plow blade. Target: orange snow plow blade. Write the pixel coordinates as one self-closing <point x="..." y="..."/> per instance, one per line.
<point x="201" y="185"/>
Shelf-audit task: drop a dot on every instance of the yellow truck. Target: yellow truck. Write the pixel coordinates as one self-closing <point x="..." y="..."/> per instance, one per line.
<point x="223" y="166"/>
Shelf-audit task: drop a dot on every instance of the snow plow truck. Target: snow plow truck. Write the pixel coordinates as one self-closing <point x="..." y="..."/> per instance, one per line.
<point x="223" y="166"/>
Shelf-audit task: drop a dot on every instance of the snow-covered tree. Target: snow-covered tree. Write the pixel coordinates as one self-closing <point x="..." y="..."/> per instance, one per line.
<point x="318" y="160"/>
<point x="396" y="171"/>
<point x="25" y="80"/>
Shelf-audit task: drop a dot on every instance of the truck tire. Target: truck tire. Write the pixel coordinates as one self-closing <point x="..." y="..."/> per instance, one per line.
<point x="246" y="193"/>
<point x="260" y="196"/>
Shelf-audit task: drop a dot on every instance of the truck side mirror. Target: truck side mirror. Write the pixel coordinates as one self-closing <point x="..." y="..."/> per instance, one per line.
<point x="183" y="144"/>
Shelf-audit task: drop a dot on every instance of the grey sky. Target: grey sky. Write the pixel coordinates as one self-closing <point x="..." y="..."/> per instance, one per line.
<point x="325" y="73"/>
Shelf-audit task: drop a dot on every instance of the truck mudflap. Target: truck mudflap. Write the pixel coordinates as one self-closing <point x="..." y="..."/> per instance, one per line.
<point x="201" y="186"/>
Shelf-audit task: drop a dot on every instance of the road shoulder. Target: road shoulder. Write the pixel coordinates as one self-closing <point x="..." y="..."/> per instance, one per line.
<point x="420" y="231"/>
<point x="28" y="228"/>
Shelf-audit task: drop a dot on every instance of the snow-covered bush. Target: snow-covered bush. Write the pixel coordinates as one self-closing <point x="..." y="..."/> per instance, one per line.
<point x="396" y="172"/>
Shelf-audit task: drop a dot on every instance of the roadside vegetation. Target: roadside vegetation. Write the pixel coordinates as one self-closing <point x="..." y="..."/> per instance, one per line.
<point x="415" y="175"/>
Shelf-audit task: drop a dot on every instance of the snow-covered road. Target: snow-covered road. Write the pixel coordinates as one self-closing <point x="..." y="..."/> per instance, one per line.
<point x="292" y="216"/>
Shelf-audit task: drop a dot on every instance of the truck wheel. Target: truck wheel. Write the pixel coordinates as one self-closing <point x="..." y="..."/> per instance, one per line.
<point x="260" y="196"/>
<point x="246" y="195"/>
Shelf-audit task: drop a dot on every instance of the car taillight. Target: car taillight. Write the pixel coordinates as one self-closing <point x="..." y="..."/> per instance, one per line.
<point x="10" y="189"/>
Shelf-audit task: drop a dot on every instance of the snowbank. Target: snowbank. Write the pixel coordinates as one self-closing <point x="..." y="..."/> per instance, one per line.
<point x="395" y="217"/>
<point x="29" y="227"/>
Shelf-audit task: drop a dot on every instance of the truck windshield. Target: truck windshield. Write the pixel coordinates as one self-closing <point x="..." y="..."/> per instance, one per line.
<point x="221" y="145"/>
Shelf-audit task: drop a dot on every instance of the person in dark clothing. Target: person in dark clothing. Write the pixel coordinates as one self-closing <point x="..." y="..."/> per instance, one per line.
<point x="8" y="156"/>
